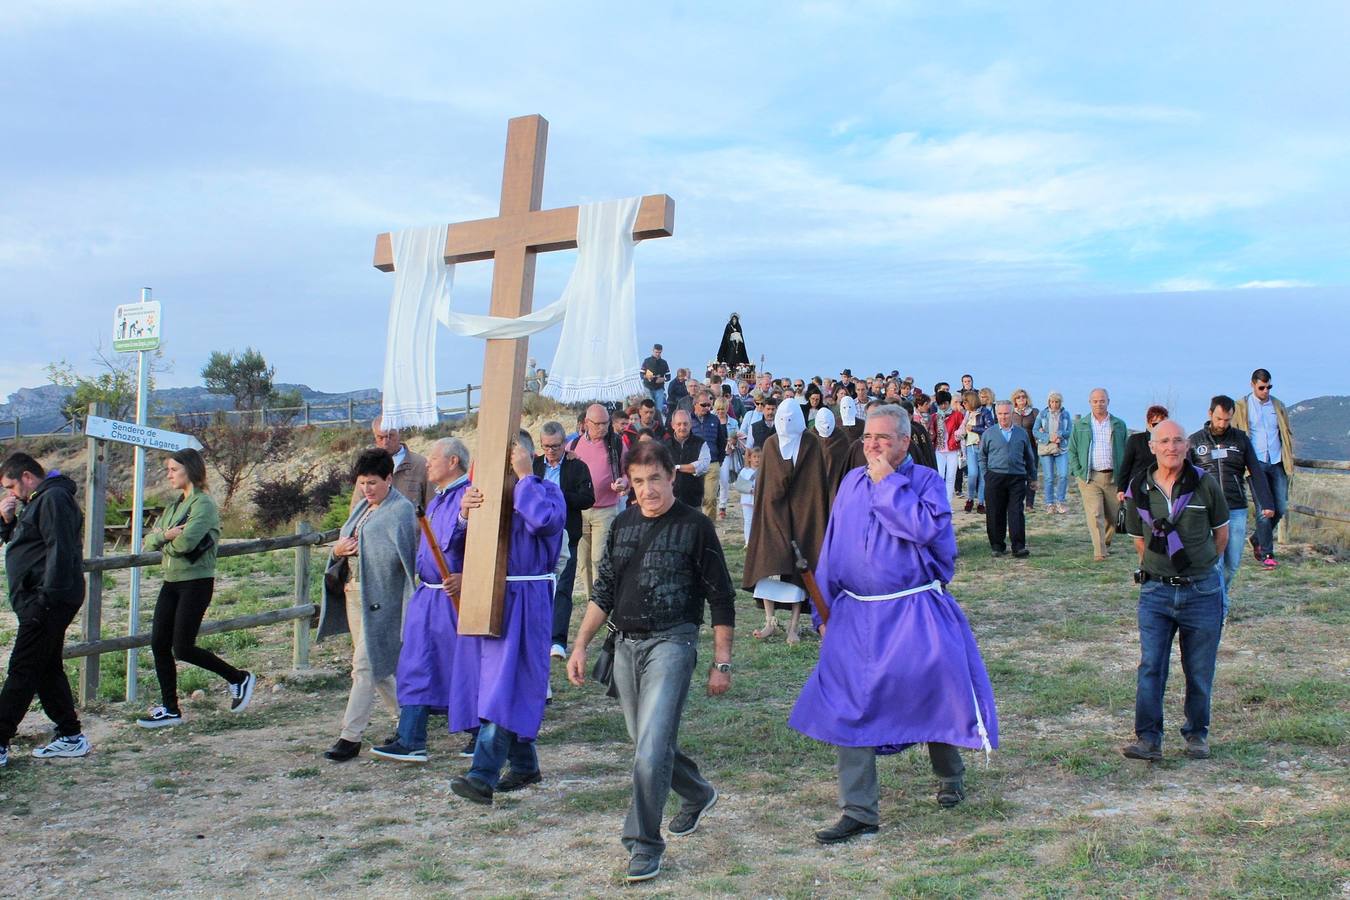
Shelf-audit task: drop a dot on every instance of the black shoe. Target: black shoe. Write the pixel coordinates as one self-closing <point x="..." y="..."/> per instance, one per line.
<point x="950" y="793"/>
<point x="1142" y="749"/>
<point x="242" y="693"/>
<point x="687" y="822"/>
<point x="1021" y="554"/>
<point x="472" y="745"/>
<point x="999" y="554"/>
<point x="643" y="867"/>
<point x="1197" y="748"/>
<point x="471" y="789"/>
<point x="343" y="750"/>
<point x="846" y="829"/>
<point x="514" y="781"/>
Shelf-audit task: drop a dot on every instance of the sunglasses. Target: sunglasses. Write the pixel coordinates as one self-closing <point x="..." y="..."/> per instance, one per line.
<point x="1263" y="387"/>
<point x="705" y="406"/>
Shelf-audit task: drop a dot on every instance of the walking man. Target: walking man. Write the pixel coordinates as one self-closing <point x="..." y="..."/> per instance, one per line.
<point x="1179" y="520"/>
<point x="655" y="373"/>
<point x="898" y="662"/>
<point x="1267" y="424"/>
<point x="662" y="563"/>
<point x="602" y="452"/>
<point x="40" y="522"/>
<point x="1009" y="462"/>
<point x="574" y="479"/>
<point x="1096" y="451"/>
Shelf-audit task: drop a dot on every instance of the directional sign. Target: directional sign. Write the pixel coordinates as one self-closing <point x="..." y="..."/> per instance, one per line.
<point x="136" y="326"/>
<point x="140" y="435"/>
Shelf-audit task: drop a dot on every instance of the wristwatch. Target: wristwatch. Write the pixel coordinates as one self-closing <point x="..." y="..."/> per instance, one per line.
<point x="724" y="668"/>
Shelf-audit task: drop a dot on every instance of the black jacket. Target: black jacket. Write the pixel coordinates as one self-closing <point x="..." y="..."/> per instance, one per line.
<point x="45" y="555"/>
<point x="1138" y="459"/>
<point x="1228" y="457"/>
<point x="575" y="481"/>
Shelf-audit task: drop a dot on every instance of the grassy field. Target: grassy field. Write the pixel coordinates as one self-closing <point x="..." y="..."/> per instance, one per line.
<point x="238" y="805"/>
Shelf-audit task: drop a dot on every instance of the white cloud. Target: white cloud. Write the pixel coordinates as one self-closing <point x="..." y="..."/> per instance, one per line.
<point x="1274" y="283"/>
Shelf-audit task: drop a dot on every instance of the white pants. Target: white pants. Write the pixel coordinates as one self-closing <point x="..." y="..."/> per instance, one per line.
<point x="747" y="514"/>
<point x="948" y="461"/>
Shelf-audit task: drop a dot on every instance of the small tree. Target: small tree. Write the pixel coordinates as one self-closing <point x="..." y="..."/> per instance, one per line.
<point x="246" y="377"/>
<point x="234" y="451"/>
<point x="113" y="383"/>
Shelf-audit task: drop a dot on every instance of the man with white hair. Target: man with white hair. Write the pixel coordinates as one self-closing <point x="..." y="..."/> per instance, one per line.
<point x="427" y="663"/>
<point x="898" y="662"/>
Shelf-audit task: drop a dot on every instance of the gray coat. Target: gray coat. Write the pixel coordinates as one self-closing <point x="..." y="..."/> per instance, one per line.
<point x="388" y="561"/>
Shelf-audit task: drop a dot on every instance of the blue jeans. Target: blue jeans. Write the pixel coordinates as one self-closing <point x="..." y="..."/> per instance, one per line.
<point x="412" y="726"/>
<point x="1279" y="488"/>
<point x="1195" y="611"/>
<point x="652" y="678"/>
<point x="497" y="745"/>
<point x="658" y="396"/>
<point x="1055" y="473"/>
<point x="562" y="596"/>
<point x="1237" y="542"/>
<point x="974" y="475"/>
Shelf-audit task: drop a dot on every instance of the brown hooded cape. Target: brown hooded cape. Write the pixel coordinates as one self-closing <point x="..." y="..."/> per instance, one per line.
<point x="791" y="504"/>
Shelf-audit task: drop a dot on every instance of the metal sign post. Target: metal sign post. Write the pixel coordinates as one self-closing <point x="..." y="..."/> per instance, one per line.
<point x="137" y="327"/>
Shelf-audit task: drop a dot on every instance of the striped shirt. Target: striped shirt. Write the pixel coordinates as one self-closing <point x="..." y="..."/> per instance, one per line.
<point x="1102" y="460"/>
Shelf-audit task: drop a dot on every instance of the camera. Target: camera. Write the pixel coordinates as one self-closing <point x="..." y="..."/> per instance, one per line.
<point x="1139" y="576"/>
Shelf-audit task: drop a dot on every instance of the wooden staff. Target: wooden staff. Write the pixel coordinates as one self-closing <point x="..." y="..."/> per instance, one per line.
<point x="812" y="589"/>
<point x="437" y="555"/>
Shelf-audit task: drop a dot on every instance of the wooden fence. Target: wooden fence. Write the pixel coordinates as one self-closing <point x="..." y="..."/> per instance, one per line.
<point x="350" y="412"/>
<point x="300" y="612"/>
<point x="1312" y="512"/>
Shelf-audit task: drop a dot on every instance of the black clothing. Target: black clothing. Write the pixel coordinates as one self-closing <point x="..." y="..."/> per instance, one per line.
<point x="1138" y="459"/>
<point x="682" y="567"/>
<point x="575" y="481"/>
<point x="35" y="669"/>
<point x="677" y="391"/>
<point x="44" y="556"/>
<point x="1005" y="498"/>
<point x="760" y="431"/>
<point x="658" y="367"/>
<point x="732" y="349"/>
<point x="688" y="488"/>
<point x="921" y="447"/>
<point x="1227" y="457"/>
<point x="173" y="636"/>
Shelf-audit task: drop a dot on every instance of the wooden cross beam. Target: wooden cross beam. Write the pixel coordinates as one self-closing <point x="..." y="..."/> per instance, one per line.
<point x="511" y="240"/>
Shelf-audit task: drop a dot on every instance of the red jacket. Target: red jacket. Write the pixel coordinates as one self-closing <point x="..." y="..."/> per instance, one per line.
<point x="954" y="421"/>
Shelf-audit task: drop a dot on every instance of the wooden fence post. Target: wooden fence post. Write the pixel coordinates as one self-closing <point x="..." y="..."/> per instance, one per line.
<point x="300" y="642"/>
<point x="468" y="400"/>
<point x="95" y="504"/>
<point x="351" y="420"/>
<point x="306" y="413"/>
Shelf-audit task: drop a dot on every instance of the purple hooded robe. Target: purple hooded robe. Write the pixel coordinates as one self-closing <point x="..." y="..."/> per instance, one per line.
<point x="903" y="671"/>
<point x="509" y="684"/>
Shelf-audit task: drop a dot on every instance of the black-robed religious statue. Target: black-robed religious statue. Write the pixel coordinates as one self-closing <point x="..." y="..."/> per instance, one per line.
<point x="732" y="351"/>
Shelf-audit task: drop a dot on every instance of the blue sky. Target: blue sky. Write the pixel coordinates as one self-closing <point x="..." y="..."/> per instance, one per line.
<point x="1049" y="195"/>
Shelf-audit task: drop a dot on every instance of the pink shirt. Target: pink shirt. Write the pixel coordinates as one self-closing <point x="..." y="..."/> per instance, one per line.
<point x="596" y="457"/>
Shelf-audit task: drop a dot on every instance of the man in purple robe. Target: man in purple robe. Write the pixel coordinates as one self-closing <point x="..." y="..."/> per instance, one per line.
<point x="504" y="694"/>
<point x="898" y="663"/>
<point x="428" y="660"/>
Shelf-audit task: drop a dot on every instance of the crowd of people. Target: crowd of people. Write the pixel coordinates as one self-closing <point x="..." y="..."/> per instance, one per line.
<point x="849" y="487"/>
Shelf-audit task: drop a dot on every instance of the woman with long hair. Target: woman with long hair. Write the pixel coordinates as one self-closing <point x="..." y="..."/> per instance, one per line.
<point x="188" y="533"/>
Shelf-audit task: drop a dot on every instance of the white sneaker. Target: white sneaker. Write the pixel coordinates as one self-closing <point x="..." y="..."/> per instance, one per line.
<point x="75" y="745"/>
<point x="160" y="718"/>
<point x="558" y="651"/>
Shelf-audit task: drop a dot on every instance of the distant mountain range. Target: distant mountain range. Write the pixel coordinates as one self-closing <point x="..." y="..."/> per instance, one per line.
<point x="39" y="408"/>
<point x="1321" y="427"/>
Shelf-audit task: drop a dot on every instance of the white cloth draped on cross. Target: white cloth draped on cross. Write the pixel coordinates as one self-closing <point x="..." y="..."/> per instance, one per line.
<point x="597" y="355"/>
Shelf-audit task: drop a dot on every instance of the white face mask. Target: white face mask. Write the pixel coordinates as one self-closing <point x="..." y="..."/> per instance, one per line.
<point x="848" y="412"/>
<point x="824" y="423"/>
<point x="790" y="426"/>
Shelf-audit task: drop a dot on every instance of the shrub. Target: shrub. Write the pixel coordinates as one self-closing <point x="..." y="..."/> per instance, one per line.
<point x="338" y="509"/>
<point x="278" y="500"/>
<point x="321" y="493"/>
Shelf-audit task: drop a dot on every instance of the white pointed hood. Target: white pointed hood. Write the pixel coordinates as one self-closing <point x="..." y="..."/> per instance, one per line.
<point x="848" y="412"/>
<point x="824" y="423"/>
<point x="790" y="426"/>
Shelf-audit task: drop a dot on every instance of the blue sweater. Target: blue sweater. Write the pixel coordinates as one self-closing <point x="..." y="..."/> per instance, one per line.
<point x="1008" y="457"/>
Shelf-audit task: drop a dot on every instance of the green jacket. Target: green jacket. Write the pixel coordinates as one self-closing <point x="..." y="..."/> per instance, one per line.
<point x="1080" y="446"/>
<point x="197" y="513"/>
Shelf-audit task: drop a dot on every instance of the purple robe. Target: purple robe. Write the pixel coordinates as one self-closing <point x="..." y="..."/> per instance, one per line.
<point x="894" y="672"/>
<point x="509" y="683"/>
<point x="426" y="665"/>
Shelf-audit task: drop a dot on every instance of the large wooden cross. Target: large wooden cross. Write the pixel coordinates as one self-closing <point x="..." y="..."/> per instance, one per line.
<point x="511" y="240"/>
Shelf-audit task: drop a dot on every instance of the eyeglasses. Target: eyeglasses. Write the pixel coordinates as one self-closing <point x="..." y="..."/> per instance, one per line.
<point x="551" y="446"/>
<point x="1263" y="387"/>
<point x="705" y="406"/>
